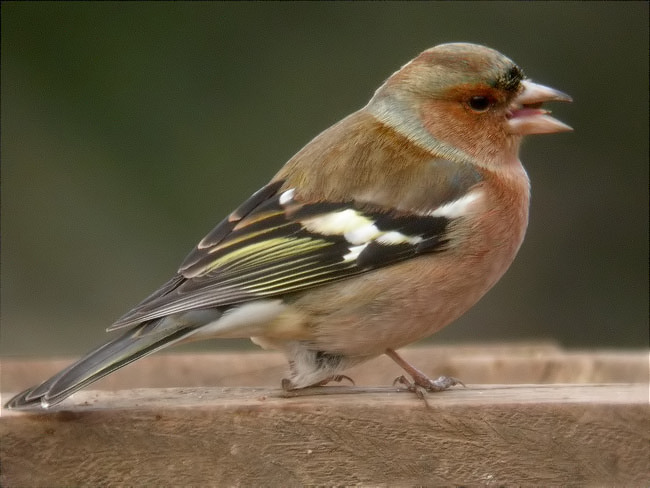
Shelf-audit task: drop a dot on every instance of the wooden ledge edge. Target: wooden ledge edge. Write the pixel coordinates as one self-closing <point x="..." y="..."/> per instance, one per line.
<point x="546" y="435"/>
<point x="156" y="399"/>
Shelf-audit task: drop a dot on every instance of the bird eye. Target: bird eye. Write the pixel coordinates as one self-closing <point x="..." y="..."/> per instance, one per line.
<point x="479" y="103"/>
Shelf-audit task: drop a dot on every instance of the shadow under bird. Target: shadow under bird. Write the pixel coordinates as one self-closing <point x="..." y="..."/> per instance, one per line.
<point x="382" y="230"/>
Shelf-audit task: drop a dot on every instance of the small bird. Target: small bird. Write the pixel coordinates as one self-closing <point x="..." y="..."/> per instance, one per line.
<point x="383" y="229"/>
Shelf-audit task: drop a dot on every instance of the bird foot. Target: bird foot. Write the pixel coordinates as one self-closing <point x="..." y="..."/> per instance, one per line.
<point x="338" y="378"/>
<point x="288" y="385"/>
<point x="421" y="382"/>
<point x="421" y="385"/>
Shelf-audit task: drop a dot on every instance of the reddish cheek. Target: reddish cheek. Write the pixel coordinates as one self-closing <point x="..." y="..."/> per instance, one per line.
<point x="455" y="124"/>
<point x="449" y="121"/>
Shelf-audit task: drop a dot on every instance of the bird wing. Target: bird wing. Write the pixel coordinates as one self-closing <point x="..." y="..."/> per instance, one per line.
<point x="275" y="243"/>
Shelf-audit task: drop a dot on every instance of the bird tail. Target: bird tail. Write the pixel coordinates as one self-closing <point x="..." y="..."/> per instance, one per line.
<point x="137" y="342"/>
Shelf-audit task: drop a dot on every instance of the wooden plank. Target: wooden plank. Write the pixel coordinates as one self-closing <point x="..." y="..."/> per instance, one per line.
<point x="568" y="435"/>
<point x="474" y="364"/>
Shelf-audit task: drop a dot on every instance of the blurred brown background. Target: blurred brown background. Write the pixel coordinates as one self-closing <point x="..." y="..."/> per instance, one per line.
<point x="129" y="130"/>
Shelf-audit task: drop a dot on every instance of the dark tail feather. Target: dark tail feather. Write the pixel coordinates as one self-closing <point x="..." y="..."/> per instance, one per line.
<point x="134" y="344"/>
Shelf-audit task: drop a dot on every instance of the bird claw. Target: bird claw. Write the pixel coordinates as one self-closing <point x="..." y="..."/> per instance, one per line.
<point x="422" y="383"/>
<point x="338" y="378"/>
<point x="443" y="383"/>
<point x="287" y="384"/>
<point x="401" y="380"/>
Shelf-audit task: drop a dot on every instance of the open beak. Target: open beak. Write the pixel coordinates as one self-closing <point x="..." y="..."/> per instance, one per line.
<point x="526" y="115"/>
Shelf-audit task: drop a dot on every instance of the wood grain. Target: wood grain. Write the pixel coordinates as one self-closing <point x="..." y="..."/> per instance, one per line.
<point x="569" y="435"/>
<point x="563" y="418"/>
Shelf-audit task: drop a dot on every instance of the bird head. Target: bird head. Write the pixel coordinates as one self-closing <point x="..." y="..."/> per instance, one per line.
<point x="468" y="97"/>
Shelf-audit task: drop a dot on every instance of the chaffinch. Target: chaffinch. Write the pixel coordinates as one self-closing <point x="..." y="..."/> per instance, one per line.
<point x="383" y="229"/>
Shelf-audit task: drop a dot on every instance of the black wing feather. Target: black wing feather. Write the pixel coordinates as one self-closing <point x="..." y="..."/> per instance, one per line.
<point x="272" y="245"/>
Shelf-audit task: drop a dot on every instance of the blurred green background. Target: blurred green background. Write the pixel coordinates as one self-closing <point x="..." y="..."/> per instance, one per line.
<point x="130" y="129"/>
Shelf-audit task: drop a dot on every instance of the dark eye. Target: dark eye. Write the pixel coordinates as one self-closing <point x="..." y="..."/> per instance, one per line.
<point x="480" y="103"/>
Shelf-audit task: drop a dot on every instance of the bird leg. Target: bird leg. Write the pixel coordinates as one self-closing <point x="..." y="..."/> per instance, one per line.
<point x="420" y="380"/>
